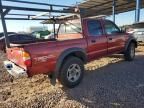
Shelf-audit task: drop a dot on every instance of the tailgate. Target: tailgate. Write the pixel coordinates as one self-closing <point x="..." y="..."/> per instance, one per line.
<point x="15" y="55"/>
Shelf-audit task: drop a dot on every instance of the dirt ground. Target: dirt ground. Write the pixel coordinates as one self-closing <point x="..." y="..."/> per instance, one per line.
<point x="109" y="82"/>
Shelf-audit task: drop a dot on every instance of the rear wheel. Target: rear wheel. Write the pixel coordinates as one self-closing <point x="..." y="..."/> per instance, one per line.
<point x="72" y="72"/>
<point x="130" y="52"/>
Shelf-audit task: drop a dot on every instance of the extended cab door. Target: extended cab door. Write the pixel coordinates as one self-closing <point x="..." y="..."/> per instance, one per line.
<point x="116" y="39"/>
<point x="97" y="41"/>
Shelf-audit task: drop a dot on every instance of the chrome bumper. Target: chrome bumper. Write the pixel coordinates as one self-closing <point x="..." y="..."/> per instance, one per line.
<point x="14" y="70"/>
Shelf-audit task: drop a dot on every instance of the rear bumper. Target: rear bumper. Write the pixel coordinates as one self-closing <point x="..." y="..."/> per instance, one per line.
<point x="15" y="70"/>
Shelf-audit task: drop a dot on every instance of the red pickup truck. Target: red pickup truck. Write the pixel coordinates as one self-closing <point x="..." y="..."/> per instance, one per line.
<point x="63" y="57"/>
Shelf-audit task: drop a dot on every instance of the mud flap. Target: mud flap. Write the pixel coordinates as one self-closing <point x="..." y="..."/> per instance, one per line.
<point x="53" y="78"/>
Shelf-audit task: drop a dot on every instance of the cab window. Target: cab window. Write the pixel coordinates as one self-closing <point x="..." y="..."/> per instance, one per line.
<point x="94" y="28"/>
<point x="111" y="28"/>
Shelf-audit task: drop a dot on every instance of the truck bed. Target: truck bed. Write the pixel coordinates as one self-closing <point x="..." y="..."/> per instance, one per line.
<point x="43" y="54"/>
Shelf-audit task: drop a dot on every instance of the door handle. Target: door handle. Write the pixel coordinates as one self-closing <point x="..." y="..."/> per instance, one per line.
<point x="93" y="41"/>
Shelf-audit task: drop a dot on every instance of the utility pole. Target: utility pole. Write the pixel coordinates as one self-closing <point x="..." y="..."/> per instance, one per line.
<point x="137" y="13"/>
<point x="113" y="10"/>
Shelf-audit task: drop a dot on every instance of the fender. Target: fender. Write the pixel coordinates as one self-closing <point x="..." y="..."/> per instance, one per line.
<point x="131" y="39"/>
<point x="62" y="57"/>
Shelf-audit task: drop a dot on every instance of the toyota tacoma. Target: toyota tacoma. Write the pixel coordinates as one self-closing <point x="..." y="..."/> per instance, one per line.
<point x="74" y="44"/>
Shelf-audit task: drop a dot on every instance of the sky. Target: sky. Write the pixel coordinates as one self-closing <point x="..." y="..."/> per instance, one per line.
<point x="15" y="26"/>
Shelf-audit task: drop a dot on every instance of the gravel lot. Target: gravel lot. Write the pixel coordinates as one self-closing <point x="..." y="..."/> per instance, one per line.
<point x="109" y="82"/>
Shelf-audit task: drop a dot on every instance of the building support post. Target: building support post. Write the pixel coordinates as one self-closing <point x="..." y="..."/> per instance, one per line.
<point x="4" y="26"/>
<point x="137" y="14"/>
<point x="113" y="10"/>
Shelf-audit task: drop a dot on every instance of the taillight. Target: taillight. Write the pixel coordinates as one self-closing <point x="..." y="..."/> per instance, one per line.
<point x="26" y="59"/>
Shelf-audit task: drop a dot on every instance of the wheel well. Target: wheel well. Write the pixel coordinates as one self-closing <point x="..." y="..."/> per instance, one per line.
<point x="133" y="41"/>
<point x="60" y="62"/>
<point x="78" y="54"/>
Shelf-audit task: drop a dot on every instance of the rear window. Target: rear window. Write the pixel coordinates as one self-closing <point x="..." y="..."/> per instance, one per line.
<point x="70" y="28"/>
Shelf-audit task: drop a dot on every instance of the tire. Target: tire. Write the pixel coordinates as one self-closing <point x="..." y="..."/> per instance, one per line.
<point x="130" y="52"/>
<point x="72" y="72"/>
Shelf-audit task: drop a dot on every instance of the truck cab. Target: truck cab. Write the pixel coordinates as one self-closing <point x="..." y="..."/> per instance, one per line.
<point x="104" y="38"/>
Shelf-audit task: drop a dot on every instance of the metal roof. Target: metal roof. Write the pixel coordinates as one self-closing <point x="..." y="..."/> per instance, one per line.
<point x="88" y="8"/>
<point x="104" y="7"/>
<point x="21" y="9"/>
<point x="27" y="10"/>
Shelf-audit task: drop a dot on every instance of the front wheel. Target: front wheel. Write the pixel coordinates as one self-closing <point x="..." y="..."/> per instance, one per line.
<point x="130" y="52"/>
<point x="72" y="72"/>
